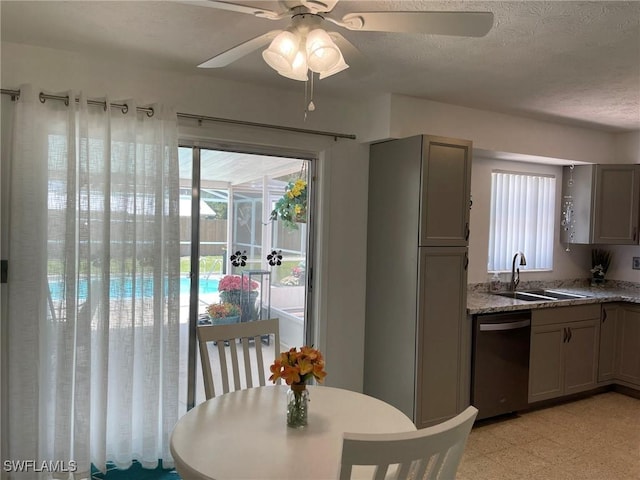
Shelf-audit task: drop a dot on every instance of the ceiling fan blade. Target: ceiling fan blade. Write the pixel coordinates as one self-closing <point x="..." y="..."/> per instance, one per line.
<point x="234" y="7"/>
<point x="317" y="6"/>
<point x="360" y="64"/>
<point x="229" y="56"/>
<point x="466" y="24"/>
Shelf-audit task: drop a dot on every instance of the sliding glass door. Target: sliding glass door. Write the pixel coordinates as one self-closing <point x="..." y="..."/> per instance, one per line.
<point x="245" y="226"/>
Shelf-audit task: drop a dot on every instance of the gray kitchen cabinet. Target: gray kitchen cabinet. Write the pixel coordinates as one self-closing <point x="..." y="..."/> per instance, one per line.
<point x="601" y="204"/>
<point x="616" y="204"/>
<point x="545" y="362"/>
<point x="417" y="276"/>
<point x="608" y="338"/>
<point x="628" y="345"/>
<point x="446" y="192"/>
<point x="581" y="356"/>
<point x="564" y="351"/>
<point x="442" y="288"/>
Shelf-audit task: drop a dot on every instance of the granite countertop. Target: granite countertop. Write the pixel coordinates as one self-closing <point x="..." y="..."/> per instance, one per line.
<point x="479" y="300"/>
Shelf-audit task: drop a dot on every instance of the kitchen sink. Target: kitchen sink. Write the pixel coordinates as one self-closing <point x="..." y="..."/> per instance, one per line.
<point x="526" y="296"/>
<point x="542" y="295"/>
<point x="558" y="294"/>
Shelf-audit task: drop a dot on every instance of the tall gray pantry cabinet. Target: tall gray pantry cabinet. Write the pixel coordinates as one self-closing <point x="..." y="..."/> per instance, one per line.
<point x="418" y="232"/>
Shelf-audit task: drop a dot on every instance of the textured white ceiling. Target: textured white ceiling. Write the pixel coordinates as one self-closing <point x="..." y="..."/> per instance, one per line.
<point x="573" y="62"/>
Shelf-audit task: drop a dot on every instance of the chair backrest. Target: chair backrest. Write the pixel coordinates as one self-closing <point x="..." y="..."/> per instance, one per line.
<point x="227" y="337"/>
<point x="430" y="453"/>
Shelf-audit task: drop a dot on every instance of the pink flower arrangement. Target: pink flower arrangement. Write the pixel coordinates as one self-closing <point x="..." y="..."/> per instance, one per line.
<point x="231" y="283"/>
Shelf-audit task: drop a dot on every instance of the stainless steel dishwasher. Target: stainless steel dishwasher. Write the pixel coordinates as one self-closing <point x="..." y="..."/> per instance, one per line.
<point x="500" y="362"/>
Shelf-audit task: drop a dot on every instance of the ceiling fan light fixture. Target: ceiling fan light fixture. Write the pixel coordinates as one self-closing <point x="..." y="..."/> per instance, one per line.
<point x="304" y="45"/>
<point x="340" y="66"/>
<point x="282" y="51"/>
<point x="322" y="53"/>
<point x="299" y="71"/>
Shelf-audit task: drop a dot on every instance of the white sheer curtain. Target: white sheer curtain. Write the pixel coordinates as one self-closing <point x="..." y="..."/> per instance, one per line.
<point x="522" y="219"/>
<point x="93" y="292"/>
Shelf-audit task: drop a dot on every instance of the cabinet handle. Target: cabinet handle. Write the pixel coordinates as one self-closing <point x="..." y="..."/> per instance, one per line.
<point x="564" y="340"/>
<point x="604" y="315"/>
<point x="467" y="232"/>
<point x="466" y="260"/>
<point x="570" y="335"/>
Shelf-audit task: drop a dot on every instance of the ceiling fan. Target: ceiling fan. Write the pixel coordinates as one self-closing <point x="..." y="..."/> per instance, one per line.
<point x="306" y="45"/>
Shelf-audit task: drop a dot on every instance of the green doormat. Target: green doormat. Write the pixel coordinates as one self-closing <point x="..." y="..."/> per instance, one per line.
<point x="135" y="472"/>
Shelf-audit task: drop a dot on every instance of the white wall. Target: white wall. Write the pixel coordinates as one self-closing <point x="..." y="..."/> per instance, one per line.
<point x="4" y="236"/>
<point x="566" y="265"/>
<point x="344" y="272"/>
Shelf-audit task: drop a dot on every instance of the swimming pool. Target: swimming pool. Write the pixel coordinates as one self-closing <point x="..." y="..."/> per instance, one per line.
<point x="123" y="288"/>
<point x="206" y="285"/>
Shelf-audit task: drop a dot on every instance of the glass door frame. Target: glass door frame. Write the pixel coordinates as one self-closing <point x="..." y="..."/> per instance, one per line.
<point x="194" y="272"/>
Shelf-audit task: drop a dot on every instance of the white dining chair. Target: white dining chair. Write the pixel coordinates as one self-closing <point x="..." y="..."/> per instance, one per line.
<point x="430" y="453"/>
<point x="249" y="336"/>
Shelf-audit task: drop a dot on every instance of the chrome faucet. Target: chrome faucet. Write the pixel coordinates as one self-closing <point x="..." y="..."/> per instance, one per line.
<point x="515" y="272"/>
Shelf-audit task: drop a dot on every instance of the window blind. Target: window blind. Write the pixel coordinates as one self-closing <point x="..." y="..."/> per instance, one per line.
<point x="522" y="219"/>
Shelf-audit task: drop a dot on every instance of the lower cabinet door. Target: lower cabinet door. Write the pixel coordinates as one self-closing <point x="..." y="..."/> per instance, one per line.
<point x="628" y="335"/>
<point x="441" y="311"/>
<point x="546" y="362"/>
<point x="581" y="360"/>
<point x="607" y="353"/>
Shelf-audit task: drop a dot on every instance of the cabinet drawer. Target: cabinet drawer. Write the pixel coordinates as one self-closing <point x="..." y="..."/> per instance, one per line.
<point x="573" y="313"/>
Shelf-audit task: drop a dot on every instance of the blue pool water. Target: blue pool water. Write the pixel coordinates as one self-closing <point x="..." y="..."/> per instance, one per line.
<point x="120" y="288"/>
<point x="209" y="285"/>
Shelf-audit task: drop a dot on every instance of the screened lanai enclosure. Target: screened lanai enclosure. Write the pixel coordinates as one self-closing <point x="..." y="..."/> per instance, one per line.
<point x="244" y="240"/>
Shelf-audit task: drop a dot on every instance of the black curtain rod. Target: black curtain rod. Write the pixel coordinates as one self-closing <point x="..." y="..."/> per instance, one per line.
<point x="15" y="94"/>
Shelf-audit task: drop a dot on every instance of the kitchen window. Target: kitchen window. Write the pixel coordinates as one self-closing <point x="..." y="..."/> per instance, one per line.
<point x="522" y="219"/>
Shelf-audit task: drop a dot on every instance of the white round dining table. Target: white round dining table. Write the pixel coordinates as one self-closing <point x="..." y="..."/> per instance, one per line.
<point x="243" y="434"/>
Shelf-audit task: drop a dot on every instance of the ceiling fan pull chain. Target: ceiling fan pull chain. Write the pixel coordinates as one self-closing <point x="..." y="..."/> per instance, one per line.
<point x="306" y="98"/>
<point x="311" y="107"/>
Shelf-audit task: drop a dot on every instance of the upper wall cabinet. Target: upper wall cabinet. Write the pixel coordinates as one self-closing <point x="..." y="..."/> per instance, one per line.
<point x="616" y="204"/>
<point x="446" y="192"/>
<point x="601" y="204"/>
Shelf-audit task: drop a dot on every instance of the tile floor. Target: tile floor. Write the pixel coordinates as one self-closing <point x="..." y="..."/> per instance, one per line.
<point x="596" y="438"/>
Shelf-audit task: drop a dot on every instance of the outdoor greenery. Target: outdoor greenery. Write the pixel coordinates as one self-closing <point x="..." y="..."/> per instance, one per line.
<point x="277" y="273"/>
<point x="220" y="209"/>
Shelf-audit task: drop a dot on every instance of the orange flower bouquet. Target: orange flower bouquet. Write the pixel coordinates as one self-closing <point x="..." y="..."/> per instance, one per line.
<point x="296" y="368"/>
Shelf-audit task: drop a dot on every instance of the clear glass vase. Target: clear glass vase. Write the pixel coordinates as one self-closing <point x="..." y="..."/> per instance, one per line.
<point x="297" y="406"/>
